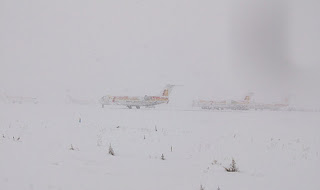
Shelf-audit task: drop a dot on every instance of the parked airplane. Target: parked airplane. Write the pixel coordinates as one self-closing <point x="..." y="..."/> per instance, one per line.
<point x="138" y="101"/>
<point x="20" y="99"/>
<point x="246" y="104"/>
<point x="225" y="104"/>
<point x="272" y="106"/>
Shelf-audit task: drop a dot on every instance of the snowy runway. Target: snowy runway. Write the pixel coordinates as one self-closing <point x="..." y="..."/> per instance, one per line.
<point x="273" y="150"/>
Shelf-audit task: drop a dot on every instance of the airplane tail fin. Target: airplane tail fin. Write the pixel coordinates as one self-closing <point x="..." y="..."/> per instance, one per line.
<point x="167" y="90"/>
<point x="286" y="100"/>
<point x="248" y="97"/>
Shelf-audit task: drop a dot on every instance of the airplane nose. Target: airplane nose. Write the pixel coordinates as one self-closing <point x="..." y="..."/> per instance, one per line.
<point x="103" y="100"/>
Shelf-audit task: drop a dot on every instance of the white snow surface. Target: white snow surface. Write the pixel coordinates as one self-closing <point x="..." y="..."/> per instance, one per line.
<point x="273" y="150"/>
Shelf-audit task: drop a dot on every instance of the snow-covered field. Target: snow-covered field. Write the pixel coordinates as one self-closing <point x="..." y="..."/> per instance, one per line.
<point x="273" y="150"/>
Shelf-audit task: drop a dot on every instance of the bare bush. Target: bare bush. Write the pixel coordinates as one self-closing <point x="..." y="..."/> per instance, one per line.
<point x="233" y="167"/>
<point x="162" y="157"/>
<point x="111" y="151"/>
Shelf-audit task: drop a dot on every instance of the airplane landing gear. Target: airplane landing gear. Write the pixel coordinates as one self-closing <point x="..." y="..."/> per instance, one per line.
<point x="130" y="107"/>
<point x="138" y="107"/>
<point x="102" y="106"/>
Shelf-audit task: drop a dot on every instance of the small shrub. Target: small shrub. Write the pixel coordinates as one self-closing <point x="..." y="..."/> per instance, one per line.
<point x="111" y="152"/>
<point x="233" y="167"/>
<point x="71" y="147"/>
<point x="162" y="157"/>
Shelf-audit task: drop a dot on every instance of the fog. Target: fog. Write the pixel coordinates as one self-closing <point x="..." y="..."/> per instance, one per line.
<point x="214" y="48"/>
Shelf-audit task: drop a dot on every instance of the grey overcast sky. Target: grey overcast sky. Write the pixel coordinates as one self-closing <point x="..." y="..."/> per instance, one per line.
<point x="212" y="47"/>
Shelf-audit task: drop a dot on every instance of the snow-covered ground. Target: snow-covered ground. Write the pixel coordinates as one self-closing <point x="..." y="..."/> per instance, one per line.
<point x="273" y="150"/>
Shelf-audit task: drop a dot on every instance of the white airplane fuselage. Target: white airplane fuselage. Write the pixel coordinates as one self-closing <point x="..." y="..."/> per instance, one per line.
<point x="134" y="101"/>
<point x="225" y="104"/>
<point x="138" y="101"/>
<point x="245" y="104"/>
